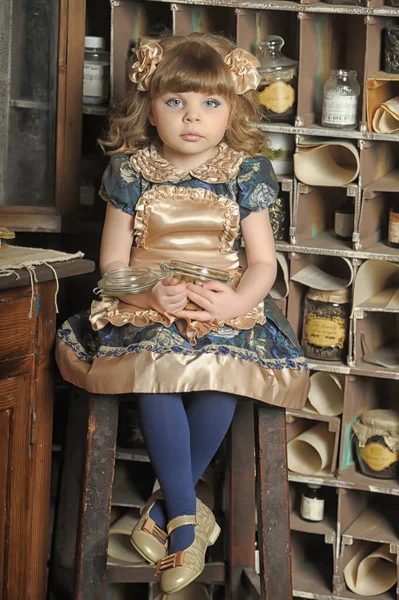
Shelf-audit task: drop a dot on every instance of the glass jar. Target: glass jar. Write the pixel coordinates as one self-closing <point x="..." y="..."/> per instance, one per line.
<point x="325" y="324"/>
<point x="125" y="281"/>
<point x="341" y="97"/>
<point x="279" y="218"/>
<point x="95" y="71"/>
<point x="197" y="274"/>
<point x="391" y="53"/>
<point x="278" y="81"/>
<point x="376" y="436"/>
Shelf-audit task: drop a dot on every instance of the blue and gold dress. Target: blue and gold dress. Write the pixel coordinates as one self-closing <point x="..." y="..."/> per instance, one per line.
<point x="192" y="216"/>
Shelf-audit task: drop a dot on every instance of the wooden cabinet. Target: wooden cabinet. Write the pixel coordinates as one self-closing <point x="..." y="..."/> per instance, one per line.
<point x="27" y="325"/>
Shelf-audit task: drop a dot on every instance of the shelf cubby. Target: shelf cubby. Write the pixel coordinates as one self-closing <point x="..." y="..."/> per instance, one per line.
<point x="312" y="564"/>
<point x="375" y="337"/>
<point x="326" y="42"/>
<point x="131" y="21"/>
<point x="327" y="527"/>
<point x="203" y="19"/>
<point x="314" y="216"/>
<point x="379" y="167"/>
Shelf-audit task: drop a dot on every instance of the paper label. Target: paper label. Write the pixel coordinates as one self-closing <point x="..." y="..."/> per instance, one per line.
<point x="95" y="80"/>
<point x="343" y="224"/>
<point x="377" y="456"/>
<point x="312" y="509"/>
<point x="325" y="332"/>
<point x="393" y="230"/>
<point x="340" y="110"/>
<point x="277" y="97"/>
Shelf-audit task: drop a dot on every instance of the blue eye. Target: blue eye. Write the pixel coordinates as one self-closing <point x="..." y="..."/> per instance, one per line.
<point x="211" y="103"/>
<point x="174" y="102"/>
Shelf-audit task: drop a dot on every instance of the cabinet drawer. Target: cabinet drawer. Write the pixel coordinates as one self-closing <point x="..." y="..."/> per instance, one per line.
<point x="17" y="329"/>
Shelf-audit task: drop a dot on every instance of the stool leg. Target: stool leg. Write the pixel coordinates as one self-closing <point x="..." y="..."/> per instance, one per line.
<point x="96" y="492"/>
<point x="242" y="496"/>
<point x="273" y="503"/>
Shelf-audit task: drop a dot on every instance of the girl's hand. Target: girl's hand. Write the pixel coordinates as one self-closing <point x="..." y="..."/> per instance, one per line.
<point x="169" y="296"/>
<point x="217" y="300"/>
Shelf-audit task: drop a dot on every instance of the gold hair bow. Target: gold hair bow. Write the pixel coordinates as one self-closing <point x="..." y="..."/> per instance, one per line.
<point x="243" y="67"/>
<point x="149" y="56"/>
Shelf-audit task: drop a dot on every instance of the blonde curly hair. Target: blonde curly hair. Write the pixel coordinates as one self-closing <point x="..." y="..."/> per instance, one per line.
<point x="191" y="63"/>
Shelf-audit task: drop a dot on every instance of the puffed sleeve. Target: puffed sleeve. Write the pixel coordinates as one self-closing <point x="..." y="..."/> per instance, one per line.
<point x="121" y="184"/>
<point x="257" y="185"/>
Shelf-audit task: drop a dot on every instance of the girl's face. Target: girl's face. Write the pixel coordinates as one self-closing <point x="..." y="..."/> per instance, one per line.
<point x="190" y="123"/>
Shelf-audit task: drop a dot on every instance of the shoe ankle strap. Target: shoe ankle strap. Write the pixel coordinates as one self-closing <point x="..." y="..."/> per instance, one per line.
<point x="180" y="522"/>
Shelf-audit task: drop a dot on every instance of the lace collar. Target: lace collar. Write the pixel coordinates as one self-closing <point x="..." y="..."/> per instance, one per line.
<point x="219" y="169"/>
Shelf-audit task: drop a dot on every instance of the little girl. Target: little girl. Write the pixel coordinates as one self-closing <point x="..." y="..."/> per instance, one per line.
<point x="185" y="181"/>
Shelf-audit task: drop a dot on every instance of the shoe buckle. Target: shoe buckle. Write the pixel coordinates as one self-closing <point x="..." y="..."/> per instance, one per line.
<point x="170" y="562"/>
<point x="152" y="528"/>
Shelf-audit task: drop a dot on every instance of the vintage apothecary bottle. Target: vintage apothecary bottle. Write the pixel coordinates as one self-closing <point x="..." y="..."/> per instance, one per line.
<point x="312" y="503"/>
<point x="344" y="220"/>
<point x="279" y="218"/>
<point x="279" y="81"/>
<point x="341" y="98"/>
<point x="376" y="436"/>
<point x="393" y="227"/>
<point x="391" y="50"/>
<point x="325" y="324"/>
<point x="96" y="71"/>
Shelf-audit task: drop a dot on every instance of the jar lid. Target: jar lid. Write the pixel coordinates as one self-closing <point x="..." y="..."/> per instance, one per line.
<point x="127" y="280"/>
<point x="381" y="418"/>
<point x="198" y="271"/>
<point x="343" y="73"/>
<point x="273" y="58"/>
<point x="92" y="41"/>
<point x="341" y="296"/>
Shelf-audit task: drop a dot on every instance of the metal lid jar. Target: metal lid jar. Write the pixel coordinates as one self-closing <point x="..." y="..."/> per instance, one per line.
<point x="376" y="436"/>
<point x="340" y="102"/>
<point x="325" y="324"/>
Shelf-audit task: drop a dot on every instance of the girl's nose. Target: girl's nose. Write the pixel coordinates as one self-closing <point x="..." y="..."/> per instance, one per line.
<point x="191" y="116"/>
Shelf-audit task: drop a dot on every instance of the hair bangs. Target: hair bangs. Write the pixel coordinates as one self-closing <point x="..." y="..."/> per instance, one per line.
<point x="194" y="67"/>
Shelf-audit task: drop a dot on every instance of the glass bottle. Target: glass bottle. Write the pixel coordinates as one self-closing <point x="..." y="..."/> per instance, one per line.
<point x="391" y="50"/>
<point x="393" y="228"/>
<point x="96" y="71"/>
<point x="325" y="324"/>
<point x="278" y="83"/>
<point x="312" y="503"/>
<point x="341" y="97"/>
<point x="344" y="220"/>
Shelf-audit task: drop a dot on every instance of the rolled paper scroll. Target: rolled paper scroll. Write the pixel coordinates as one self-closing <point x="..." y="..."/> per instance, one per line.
<point x="326" y="394"/>
<point x="334" y="163"/>
<point x="371" y="574"/>
<point x="312" y="451"/>
<point x="386" y="117"/>
<point x="119" y="546"/>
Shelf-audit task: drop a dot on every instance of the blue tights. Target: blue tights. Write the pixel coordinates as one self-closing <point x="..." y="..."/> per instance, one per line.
<point x="181" y="443"/>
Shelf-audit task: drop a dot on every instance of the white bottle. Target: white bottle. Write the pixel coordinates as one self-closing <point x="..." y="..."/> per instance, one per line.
<point x="96" y="71"/>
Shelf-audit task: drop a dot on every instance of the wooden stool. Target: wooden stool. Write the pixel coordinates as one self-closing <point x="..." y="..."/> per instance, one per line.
<point x="81" y="534"/>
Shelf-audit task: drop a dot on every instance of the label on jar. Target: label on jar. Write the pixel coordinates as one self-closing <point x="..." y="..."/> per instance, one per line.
<point x="324" y="332"/>
<point x="340" y="110"/>
<point x="377" y="456"/>
<point x="343" y="224"/>
<point x="95" y="80"/>
<point x="277" y="97"/>
<point x="393" y="230"/>
<point x="312" y="509"/>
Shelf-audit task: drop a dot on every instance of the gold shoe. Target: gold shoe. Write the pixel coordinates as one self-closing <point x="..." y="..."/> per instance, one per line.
<point x="181" y="568"/>
<point x="147" y="538"/>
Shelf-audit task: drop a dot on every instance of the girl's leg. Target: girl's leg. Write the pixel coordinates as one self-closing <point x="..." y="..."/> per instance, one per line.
<point x="209" y="417"/>
<point x="167" y="436"/>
